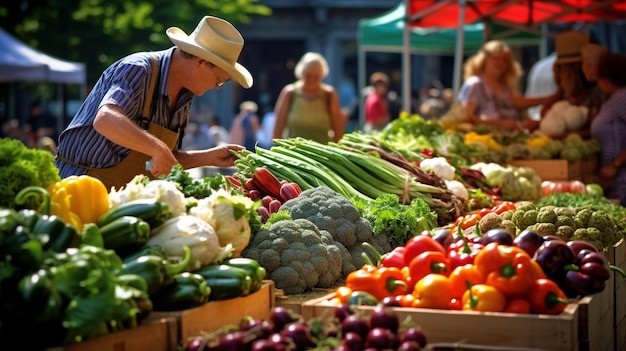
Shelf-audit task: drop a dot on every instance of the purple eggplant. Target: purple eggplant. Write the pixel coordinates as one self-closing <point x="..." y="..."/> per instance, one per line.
<point x="529" y="241"/>
<point x="498" y="235"/>
<point x="554" y="256"/>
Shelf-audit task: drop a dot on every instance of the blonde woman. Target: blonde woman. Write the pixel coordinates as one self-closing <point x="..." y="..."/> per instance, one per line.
<point x="490" y="93"/>
<point x="309" y="108"/>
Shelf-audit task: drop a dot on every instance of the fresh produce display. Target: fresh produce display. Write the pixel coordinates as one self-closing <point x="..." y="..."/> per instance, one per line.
<point x="494" y="272"/>
<point x="286" y="329"/>
<point x="411" y="216"/>
<point x="352" y="172"/>
<point x="130" y="257"/>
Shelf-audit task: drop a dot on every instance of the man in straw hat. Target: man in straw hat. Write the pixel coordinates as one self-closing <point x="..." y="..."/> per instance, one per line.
<point x="133" y="120"/>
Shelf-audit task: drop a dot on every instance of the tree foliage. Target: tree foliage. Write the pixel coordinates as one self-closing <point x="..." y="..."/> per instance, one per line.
<point x="99" y="32"/>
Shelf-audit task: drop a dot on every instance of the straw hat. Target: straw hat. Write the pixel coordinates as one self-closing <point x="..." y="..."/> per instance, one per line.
<point x="379" y="77"/>
<point x="217" y="41"/>
<point x="568" y="46"/>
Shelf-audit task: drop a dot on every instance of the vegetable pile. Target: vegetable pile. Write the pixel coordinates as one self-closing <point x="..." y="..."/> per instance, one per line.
<point x="494" y="272"/>
<point x="287" y="330"/>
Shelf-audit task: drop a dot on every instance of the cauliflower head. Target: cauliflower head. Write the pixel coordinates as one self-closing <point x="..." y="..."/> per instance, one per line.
<point x="297" y="256"/>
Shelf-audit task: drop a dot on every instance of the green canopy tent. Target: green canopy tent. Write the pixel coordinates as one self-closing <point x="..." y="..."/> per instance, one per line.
<point x="385" y="33"/>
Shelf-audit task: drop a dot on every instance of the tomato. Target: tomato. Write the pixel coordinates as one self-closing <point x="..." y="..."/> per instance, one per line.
<point x="547" y="187"/>
<point x="577" y="187"/>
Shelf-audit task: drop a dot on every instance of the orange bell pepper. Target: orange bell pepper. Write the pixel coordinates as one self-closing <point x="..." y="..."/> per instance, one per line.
<point x="546" y="297"/>
<point x="494" y="256"/>
<point x="513" y="279"/>
<point x="433" y="291"/>
<point x="79" y="198"/>
<point x="380" y="282"/>
<point x="483" y="298"/>
<point x="461" y="275"/>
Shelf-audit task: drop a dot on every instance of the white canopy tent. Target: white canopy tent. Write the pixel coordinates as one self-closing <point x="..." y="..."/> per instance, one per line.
<point x="20" y="63"/>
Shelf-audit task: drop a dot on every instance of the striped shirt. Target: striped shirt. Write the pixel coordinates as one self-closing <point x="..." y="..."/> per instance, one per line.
<point x="609" y="128"/>
<point x="124" y="84"/>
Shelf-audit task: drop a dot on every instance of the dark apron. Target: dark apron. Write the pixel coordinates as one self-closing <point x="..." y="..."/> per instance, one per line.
<point x="135" y="162"/>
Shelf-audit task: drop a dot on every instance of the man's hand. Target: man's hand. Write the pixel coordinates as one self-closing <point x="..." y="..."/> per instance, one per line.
<point x="222" y="156"/>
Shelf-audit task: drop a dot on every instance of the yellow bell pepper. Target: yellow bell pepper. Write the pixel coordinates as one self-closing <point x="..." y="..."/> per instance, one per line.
<point x="538" y="141"/>
<point x="79" y="200"/>
<point x="485" y="139"/>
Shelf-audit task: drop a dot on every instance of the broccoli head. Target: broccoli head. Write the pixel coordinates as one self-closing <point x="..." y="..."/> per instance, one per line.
<point x="590" y="235"/>
<point x="524" y="219"/>
<point x="562" y="220"/>
<point x="604" y="223"/>
<point x="582" y="216"/>
<point x="297" y="255"/>
<point x="565" y="232"/>
<point x="329" y="211"/>
<point x="489" y="221"/>
<point x="544" y="228"/>
<point x="546" y="215"/>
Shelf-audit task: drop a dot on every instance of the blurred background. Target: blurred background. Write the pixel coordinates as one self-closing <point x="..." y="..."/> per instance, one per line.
<point x="82" y="37"/>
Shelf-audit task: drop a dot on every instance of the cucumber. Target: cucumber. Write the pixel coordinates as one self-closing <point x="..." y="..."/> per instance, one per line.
<point x="152" y="211"/>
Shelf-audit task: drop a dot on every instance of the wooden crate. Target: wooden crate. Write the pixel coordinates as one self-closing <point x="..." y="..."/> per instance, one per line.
<point x="596" y="320"/>
<point x="217" y="314"/>
<point x="619" y="284"/>
<point x="589" y="170"/>
<point x="294" y="302"/>
<point x="156" y="334"/>
<point x="544" y="332"/>
<point x="552" y="169"/>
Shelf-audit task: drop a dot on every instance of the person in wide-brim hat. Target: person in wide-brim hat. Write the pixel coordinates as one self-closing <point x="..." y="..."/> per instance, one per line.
<point x="216" y="41"/>
<point x="133" y="121"/>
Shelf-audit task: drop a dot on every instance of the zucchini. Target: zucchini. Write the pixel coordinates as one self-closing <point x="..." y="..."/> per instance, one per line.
<point x="226" y="282"/>
<point x="152" y="211"/>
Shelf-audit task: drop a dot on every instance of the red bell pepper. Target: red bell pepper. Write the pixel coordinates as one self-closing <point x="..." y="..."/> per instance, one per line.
<point x="421" y="243"/>
<point x="503" y="207"/>
<point x="546" y="297"/>
<point x="427" y="263"/>
<point x="462" y="251"/>
<point x="394" y="258"/>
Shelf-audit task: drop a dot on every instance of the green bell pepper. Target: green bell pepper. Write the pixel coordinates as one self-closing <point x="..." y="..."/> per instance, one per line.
<point x="39" y="297"/>
<point x="155" y="269"/>
<point x="188" y="290"/>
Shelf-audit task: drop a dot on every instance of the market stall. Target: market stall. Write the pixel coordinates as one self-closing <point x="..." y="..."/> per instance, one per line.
<point x="393" y="218"/>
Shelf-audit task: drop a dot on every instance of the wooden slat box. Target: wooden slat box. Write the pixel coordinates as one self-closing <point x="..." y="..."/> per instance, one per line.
<point x="552" y="169"/>
<point x="155" y="334"/>
<point x="541" y="332"/>
<point x="217" y="314"/>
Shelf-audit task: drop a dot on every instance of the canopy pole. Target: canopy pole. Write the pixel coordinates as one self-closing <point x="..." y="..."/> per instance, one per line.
<point x="458" y="53"/>
<point x="406" y="61"/>
<point x="361" y="86"/>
